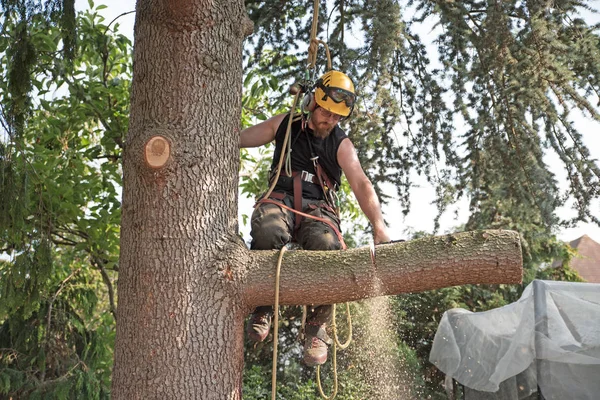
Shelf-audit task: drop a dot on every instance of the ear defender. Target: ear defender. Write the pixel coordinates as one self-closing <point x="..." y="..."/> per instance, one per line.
<point x="308" y="103"/>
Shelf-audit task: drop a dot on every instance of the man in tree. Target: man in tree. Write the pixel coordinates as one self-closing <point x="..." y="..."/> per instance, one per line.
<point x="320" y="152"/>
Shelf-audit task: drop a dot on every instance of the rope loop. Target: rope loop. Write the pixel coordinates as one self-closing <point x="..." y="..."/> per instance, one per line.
<point x="336" y="344"/>
<point x="334" y="329"/>
<point x="335" y="377"/>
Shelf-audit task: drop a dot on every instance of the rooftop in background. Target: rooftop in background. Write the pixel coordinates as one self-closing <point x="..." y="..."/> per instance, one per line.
<point x="587" y="264"/>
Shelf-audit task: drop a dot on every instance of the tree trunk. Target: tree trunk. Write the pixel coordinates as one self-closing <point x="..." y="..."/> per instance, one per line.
<point x="180" y="333"/>
<point x="186" y="281"/>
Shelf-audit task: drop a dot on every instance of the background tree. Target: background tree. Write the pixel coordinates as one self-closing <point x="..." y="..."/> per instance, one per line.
<point x="60" y="209"/>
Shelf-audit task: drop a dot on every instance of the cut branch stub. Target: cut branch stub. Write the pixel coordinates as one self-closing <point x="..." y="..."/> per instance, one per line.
<point x="326" y="277"/>
<point x="157" y="151"/>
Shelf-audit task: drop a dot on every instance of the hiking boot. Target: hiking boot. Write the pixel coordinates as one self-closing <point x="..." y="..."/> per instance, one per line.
<point x="259" y="324"/>
<point x="315" y="344"/>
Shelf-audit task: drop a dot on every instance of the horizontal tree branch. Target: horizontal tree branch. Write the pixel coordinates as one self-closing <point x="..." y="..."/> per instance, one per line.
<point x="327" y="277"/>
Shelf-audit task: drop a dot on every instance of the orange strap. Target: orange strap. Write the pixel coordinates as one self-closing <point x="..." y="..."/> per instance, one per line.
<point x="323" y="220"/>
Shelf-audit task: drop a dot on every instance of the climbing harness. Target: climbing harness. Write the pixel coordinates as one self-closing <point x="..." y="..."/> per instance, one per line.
<point x="302" y="214"/>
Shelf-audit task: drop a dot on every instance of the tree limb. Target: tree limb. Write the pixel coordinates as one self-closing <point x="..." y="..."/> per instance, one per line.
<point x="326" y="277"/>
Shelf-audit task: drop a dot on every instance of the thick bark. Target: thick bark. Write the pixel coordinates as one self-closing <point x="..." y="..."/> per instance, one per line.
<point x="486" y="257"/>
<point x="180" y="326"/>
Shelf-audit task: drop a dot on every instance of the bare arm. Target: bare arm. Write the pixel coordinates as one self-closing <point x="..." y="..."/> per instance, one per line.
<point x="363" y="189"/>
<point x="261" y="134"/>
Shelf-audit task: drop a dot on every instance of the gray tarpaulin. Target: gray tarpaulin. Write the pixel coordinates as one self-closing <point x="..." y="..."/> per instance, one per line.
<point x="549" y="338"/>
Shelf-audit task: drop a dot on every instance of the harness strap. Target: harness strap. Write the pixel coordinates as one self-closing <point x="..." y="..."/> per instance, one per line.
<point x="297" y="199"/>
<point x="326" y="186"/>
<point x="298" y="179"/>
<point x="282" y="196"/>
<point x="323" y="178"/>
<point x="323" y="220"/>
<point x="274" y="195"/>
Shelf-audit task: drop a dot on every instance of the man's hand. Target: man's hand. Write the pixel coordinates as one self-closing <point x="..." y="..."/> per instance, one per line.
<point x="380" y="236"/>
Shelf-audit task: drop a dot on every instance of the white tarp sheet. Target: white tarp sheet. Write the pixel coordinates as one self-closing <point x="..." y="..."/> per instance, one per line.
<point x="549" y="338"/>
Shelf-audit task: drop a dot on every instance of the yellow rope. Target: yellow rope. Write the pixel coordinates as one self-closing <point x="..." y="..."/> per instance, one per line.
<point x="313" y="45"/>
<point x="333" y="327"/>
<point x="336" y="343"/>
<point x="276" y="325"/>
<point x="286" y="144"/>
<point x="312" y="58"/>
<point x="335" y="380"/>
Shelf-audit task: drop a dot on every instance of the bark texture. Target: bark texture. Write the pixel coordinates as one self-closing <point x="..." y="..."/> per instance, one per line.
<point x="325" y="277"/>
<point x="180" y="329"/>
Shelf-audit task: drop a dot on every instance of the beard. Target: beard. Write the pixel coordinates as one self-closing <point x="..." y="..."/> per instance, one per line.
<point x="322" y="130"/>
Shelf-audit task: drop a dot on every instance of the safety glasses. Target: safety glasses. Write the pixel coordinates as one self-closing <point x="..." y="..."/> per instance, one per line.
<point x="339" y="95"/>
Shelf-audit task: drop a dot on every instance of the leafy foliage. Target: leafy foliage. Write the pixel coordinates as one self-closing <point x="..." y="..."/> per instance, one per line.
<point x="60" y="212"/>
<point x="24" y="19"/>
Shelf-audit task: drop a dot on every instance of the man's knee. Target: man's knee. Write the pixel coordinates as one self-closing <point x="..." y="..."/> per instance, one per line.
<point x="320" y="239"/>
<point x="318" y="235"/>
<point x="270" y="228"/>
<point x="269" y="239"/>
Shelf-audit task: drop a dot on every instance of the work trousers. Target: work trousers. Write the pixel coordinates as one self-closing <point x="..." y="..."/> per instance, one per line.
<point x="272" y="227"/>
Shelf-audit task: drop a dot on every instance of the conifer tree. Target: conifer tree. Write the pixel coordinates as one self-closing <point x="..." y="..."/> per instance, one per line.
<point x="469" y="94"/>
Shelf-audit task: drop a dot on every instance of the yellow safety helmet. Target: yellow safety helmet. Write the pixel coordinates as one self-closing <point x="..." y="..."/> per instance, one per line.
<point x="334" y="91"/>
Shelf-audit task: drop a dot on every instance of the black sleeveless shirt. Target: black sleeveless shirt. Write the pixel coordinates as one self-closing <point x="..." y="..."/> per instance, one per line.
<point x="326" y="149"/>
